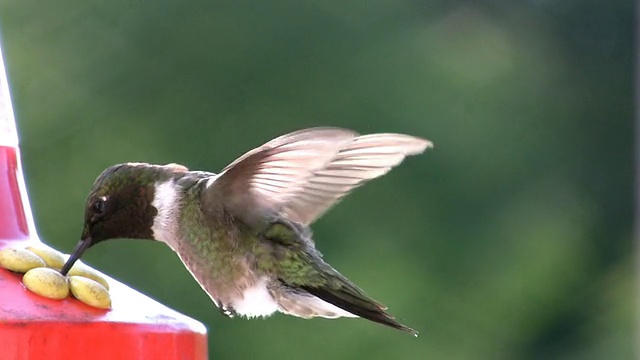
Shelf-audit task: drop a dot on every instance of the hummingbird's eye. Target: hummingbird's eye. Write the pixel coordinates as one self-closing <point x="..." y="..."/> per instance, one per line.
<point x="98" y="206"/>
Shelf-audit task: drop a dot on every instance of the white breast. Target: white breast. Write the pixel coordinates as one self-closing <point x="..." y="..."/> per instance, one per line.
<point x="165" y="200"/>
<point x="256" y="301"/>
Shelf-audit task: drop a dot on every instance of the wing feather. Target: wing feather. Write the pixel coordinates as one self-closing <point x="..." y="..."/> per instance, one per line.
<point x="302" y="174"/>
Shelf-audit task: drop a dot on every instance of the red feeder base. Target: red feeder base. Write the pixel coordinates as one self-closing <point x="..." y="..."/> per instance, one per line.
<point x="137" y="327"/>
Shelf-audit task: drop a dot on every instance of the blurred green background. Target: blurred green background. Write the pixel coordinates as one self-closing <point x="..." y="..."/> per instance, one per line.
<point x="512" y="239"/>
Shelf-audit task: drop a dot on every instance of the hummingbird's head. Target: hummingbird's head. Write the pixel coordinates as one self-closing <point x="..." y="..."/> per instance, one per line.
<point x="120" y="205"/>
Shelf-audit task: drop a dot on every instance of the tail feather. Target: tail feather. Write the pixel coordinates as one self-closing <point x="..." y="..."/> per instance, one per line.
<point x="355" y="302"/>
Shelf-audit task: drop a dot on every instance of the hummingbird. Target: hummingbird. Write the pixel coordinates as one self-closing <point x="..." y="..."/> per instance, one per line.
<point x="244" y="233"/>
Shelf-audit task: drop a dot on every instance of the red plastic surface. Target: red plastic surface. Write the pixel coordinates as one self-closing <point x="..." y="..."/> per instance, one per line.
<point x="33" y="327"/>
<point x="13" y="220"/>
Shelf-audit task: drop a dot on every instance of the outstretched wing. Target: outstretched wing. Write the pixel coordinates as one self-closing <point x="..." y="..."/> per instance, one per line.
<point x="302" y="174"/>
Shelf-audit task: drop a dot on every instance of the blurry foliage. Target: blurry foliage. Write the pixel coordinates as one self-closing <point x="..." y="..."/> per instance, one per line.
<point x="510" y="240"/>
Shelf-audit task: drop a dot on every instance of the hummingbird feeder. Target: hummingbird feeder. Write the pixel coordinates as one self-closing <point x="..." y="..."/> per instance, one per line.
<point x="33" y="327"/>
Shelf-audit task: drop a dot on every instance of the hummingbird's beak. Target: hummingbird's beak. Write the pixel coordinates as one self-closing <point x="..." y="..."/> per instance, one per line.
<point x="75" y="255"/>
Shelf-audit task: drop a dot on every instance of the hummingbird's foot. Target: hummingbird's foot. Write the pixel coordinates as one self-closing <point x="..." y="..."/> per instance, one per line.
<point x="228" y="311"/>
